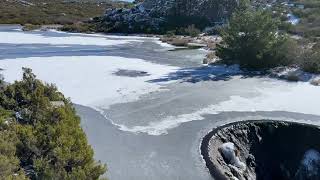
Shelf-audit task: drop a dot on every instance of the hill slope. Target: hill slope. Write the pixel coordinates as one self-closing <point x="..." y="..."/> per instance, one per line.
<point x="52" y="12"/>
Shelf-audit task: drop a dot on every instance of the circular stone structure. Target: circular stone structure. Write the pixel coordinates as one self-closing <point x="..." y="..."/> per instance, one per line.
<point x="263" y="150"/>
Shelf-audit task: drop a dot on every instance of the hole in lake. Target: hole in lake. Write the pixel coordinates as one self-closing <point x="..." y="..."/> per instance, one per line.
<point x="263" y="150"/>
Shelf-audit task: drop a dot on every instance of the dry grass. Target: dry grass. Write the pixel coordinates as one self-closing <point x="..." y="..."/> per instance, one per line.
<point x="176" y="40"/>
<point x="210" y="58"/>
<point x="212" y="45"/>
<point x="30" y="27"/>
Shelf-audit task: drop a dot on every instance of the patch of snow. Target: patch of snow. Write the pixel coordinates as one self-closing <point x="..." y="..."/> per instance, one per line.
<point x="26" y="3"/>
<point x="27" y="38"/>
<point x="294" y="20"/>
<point x="293" y="72"/>
<point x="204" y="50"/>
<point x="18" y="29"/>
<point x="162" y="44"/>
<point x="141" y="8"/>
<point x="90" y="80"/>
<point x="310" y="166"/>
<point x="114" y="36"/>
<point x="228" y="151"/>
<point x="311" y="161"/>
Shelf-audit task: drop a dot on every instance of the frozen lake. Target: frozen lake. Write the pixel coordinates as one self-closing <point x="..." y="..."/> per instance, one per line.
<point x="150" y="127"/>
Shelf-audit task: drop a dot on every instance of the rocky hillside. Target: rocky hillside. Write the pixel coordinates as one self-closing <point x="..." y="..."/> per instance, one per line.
<point x="53" y="11"/>
<point x="163" y="15"/>
<point x="213" y="10"/>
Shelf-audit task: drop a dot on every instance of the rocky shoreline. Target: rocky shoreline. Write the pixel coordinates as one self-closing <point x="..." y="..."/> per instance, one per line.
<point x="209" y="43"/>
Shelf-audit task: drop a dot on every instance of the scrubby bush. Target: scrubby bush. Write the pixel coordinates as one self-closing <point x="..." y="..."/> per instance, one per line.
<point x="9" y="162"/>
<point x="1" y="80"/>
<point x="252" y="40"/>
<point x="176" y="40"/>
<point x="310" y="60"/>
<point x="192" y="31"/>
<point x="309" y="25"/>
<point x="79" y="27"/>
<point x="210" y="58"/>
<point x="45" y="141"/>
<point x="30" y="27"/>
<point x="180" y="23"/>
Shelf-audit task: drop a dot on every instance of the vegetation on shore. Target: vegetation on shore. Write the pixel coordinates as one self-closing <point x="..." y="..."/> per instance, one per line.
<point x="40" y="134"/>
<point x="256" y="38"/>
<point x="309" y="14"/>
<point x="310" y="59"/>
<point x="30" y="27"/>
<point x="80" y="27"/>
<point x="44" y="12"/>
<point x="252" y="39"/>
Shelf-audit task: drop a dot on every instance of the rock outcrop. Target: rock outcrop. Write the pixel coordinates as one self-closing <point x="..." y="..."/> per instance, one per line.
<point x="163" y="15"/>
<point x="213" y="10"/>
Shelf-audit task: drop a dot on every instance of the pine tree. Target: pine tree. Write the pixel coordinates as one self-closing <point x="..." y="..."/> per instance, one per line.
<point x="252" y="40"/>
<point x="50" y="141"/>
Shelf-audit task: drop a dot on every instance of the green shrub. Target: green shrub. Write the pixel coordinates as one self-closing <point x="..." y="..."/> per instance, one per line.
<point x="192" y="31"/>
<point x="310" y="61"/>
<point x="309" y="25"/>
<point x="252" y="40"/>
<point x="30" y="27"/>
<point x="79" y="28"/>
<point x="9" y="162"/>
<point x="171" y="33"/>
<point x="180" y="21"/>
<point x="50" y="142"/>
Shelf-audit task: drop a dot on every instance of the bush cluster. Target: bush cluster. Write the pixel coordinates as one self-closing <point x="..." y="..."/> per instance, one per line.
<point x="190" y="30"/>
<point x="309" y="25"/>
<point x="30" y="27"/>
<point x="40" y="140"/>
<point x="310" y="59"/>
<point x="82" y="27"/>
<point x="252" y="40"/>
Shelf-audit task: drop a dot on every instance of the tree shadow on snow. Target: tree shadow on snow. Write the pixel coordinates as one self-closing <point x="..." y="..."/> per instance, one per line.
<point x="206" y="73"/>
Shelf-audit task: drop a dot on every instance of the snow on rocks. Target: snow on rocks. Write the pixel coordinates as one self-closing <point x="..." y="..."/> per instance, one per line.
<point x="310" y="166"/>
<point x="295" y="74"/>
<point x="229" y="152"/>
<point x="315" y="81"/>
<point x="292" y="19"/>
